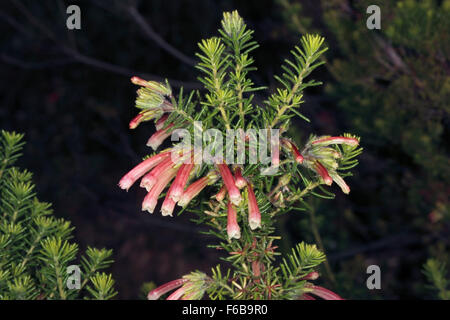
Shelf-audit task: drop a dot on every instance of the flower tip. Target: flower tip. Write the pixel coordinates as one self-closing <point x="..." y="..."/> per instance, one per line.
<point x="166" y="212"/>
<point x="299" y="159"/>
<point x="152" y="296"/>
<point x="221" y="194"/>
<point x="149" y="206"/>
<point x="153" y="144"/>
<point x="234" y="233"/>
<point x="138" y="81"/>
<point x="135" y="121"/>
<point x="254" y="223"/>
<point x="240" y="183"/>
<point x="125" y="183"/>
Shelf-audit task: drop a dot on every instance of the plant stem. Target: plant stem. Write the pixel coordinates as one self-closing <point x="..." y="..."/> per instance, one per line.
<point x="318" y="239"/>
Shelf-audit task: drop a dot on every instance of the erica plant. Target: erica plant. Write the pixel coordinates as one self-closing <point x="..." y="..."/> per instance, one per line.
<point x="233" y="164"/>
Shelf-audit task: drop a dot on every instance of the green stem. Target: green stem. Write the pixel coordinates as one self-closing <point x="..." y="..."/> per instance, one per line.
<point x="318" y="240"/>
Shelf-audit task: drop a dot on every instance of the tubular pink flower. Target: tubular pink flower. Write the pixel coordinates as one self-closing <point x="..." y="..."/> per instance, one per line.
<point x="195" y="188"/>
<point x="177" y="294"/>
<point x="169" y="204"/>
<point x="254" y="216"/>
<point x="293" y="148"/>
<point x="233" y="229"/>
<point x="130" y="178"/>
<point x="180" y="181"/>
<point x="159" y="124"/>
<point x="155" y="294"/>
<point x="340" y="182"/>
<point x="325" y="293"/>
<point x="322" y="171"/>
<point x="221" y="194"/>
<point x="135" y="121"/>
<point x="149" y="180"/>
<point x="336" y="140"/>
<point x="151" y="199"/>
<point x="228" y="180"/>
<point x="158" y="137"/>
<point x="240" y="182"/>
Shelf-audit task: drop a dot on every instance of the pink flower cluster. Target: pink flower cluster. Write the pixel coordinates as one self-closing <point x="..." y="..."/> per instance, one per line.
<point x="318" y="156"/>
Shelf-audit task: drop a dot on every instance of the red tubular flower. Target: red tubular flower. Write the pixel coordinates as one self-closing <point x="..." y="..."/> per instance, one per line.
<point x="254" y="216"/>
<point x="228" y="180"/>
<point x="293" y="148"/>
<point x="322" y="171"/>
<point x="149" y="180"/>
<point x="336" y="140"/>
<point x="180" y="293"/>
<point x="233" y="229"/>
<point x="324" y="293"/>
<point x="240" y="182"/>
<point x="159" y="124"/>
<point x="221" y="194"/>
<point x="168" y="204"/>
<point x="130" y="178"/>
<point x="155" y="294"/>
<point x="180" y="181"/>
<point x="195" y="188"/>
<point x="306" y="296"/>
<point x="158" y="137"/>
<point x="151" y="199"/>
<point x="135" y="121"/>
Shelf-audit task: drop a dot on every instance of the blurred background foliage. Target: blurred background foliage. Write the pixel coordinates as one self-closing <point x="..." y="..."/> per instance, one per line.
<point x="69" y="92"/>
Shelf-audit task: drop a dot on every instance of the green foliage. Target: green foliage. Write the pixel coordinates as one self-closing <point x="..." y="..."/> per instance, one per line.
<point x="437" y="273"/>
<point x="35" y="251"/>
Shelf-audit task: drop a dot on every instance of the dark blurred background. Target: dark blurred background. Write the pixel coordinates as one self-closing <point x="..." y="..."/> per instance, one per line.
<point x="69" y="92"/>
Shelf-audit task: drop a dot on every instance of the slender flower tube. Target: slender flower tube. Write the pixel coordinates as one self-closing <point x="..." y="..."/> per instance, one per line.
<point x="195" y="188"/>
<point x="233" y="229"/>
<point x="149" y="180"/>
<point x="322" y="171"/>
<point x="180" y="181"/>
<point x="325" y="293"/>
<point x="293" y="148"/>
<point x="306" y="296"/>
<point x="221" y="194"/>
<point x="168" y="203"/>
<point x="228" y="180"/>
<point x="159" y="124"/>
<point x="340" y="182"/>
<point x="158" y="137"/>
<point x="177" y="294"/>
<point x="136" y="120"/>
<point x="254" y="216"/>
<point x="240" y="182"/>
<point x="151" y="199"/>
<point x="336" y="140"/>
<point x="155" y="294"/>
<point x="130" y="178"/>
